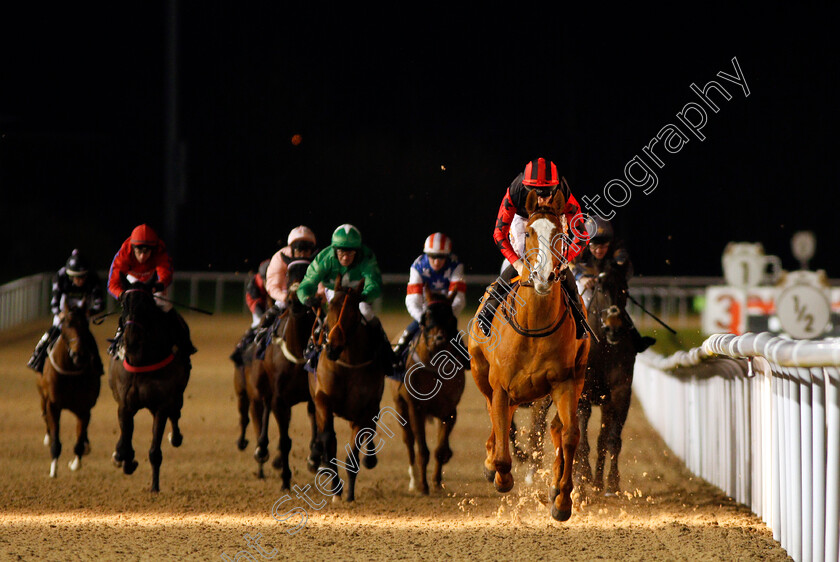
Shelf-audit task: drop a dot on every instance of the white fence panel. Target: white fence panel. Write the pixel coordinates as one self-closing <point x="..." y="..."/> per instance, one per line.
<point x="758" y="416"/>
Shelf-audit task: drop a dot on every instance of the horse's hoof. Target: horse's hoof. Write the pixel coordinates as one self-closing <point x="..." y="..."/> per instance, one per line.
<point x="54" y="468"/>
<point x="46" y="440"/>
<point x="503" y="482"/>
<point x="312" y="464"/>
<point x="260" y="456"/>
<point x="175" y="439"/>
<point x="241" y="444"/>
<point x="75" y="464"/>
<point x="277" y="463"/>
<point x="336" y="498"/>
<point x="115" y="458"/>
<point x="489" y="475"/>
<point x="560" y="515"/>
<point x="86" y="450"/>
<point x="129" y="467"/>
<point x="370" y="461"/>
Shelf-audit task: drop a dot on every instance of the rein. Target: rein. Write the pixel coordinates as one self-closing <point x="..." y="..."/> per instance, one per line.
<point x="541" y="332"/>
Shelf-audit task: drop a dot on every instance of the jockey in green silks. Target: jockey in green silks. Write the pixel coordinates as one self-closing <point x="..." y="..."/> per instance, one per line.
<point x="348" y="257"/>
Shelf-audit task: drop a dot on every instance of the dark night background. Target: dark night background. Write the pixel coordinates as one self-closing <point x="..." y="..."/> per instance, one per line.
<point x="382" y="104"/>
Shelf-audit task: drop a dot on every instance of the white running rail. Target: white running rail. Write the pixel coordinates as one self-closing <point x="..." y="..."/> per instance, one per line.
<point x="759" y="417"/>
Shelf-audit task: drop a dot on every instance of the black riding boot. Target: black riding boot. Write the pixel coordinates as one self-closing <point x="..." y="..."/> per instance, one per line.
<point x="114" y="342"/>
<point x="39" y="356"/>
<point x="386" y="353"/>
<point x="571" y="287"/>
<point x="401" y="349"/>
<point x="246" y="340"/>
<point x="265" y="330"/>
<point x="496" y="293"/>
<point x="180" y="332"/>
<point x="640" y="342"/>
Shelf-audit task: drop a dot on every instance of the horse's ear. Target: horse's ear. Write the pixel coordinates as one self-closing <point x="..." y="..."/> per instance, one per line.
<point x="360" y="286"/>
<point x="124" y="282"/>
<point x="531" y="202"/>
<point x="427" y="294"/>
<point x="451" y="297"/>
<point x="338" y="282"/>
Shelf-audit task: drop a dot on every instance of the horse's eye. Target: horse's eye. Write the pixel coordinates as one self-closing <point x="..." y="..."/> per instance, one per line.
<point x="527" y="235"/>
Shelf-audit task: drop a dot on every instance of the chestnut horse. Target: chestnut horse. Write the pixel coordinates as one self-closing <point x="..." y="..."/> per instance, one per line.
<point x="279" y="381"/>
<point x="433" y="388"/>
<point x="609" y="377"/>
<point x="348" y="383"/>
<point x="531" y="353"/>
<point x="146" y="373"/>
<point x="69" y="382"/>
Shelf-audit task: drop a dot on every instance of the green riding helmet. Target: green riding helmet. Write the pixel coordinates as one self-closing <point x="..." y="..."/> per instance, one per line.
<point x="347" y="237"/>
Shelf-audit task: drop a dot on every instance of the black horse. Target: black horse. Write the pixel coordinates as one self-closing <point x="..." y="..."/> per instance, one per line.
<point x="609" y="377"/>
<point x="147" y="373"/>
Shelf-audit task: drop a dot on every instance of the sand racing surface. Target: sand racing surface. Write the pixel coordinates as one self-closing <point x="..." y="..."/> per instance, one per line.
<point x="210" y="498"/>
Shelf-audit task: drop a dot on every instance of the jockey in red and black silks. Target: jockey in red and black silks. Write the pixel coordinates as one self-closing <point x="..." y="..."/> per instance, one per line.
<point x="540" y="175"/>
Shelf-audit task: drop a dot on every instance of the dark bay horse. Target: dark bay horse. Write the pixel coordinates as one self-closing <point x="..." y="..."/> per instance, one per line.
<point x="609" y="377"/>
<point x="146" y="373"/>
<point x="279" y="381"/>
<point x="433" y="389"/>
<point x="531" y="353"/>
<point x="348" y="383"/>
<point x="70" y="381"/>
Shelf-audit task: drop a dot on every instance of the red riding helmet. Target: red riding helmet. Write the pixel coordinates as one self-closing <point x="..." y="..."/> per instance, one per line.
<point x="143" y="235"/>
<point x="541" y="173"/>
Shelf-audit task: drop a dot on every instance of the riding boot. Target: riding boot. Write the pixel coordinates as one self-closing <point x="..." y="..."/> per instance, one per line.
<point x="385" y="351"/>
<point x="401" y="349"/>
<point x="115" y="341"/>
<point x="571" y="287"/>
<point x="246" y="340"/>
<point x="180" y="332"/>
<point x="262" y="335"/>
<point x="39" y="356"/>
<point x="640" y="342"/>
<point x="496" y="293"/>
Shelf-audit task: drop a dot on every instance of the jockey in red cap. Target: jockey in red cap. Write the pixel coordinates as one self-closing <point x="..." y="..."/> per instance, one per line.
<point x="142" y="257"/>
<point x="540" y="175"/>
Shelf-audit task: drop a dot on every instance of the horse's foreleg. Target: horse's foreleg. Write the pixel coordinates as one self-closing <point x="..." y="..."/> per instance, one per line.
<point x="443" y="452"/>
<point x="417" y="419"/>
<point x="82" y="446"/>
<point x="124" y="454"/>
<point x="54" y="424"/>
<point x="582" y="469"/>
<point x="352" y="464"/>
<point x="500" y="415"/>
<point x="565" y="434"/>
<point x="243" y="405"/>
<point x="314" y="459"/>
<point x="259" y="414"/>
<point x="283" y="415"/>
<point x="603" y="445"/>
<point x="408" y="439"/>
<point x="175" y="436"/>
<point x="155" y="453"/>
<point x="620" y="406"/>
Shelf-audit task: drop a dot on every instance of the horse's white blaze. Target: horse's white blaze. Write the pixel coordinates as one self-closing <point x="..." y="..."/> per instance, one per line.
<point x="544" y="229"/>
<point x="54" y="468"/>
<point x="412" y="483"/>
<point x="75" y="464"/>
